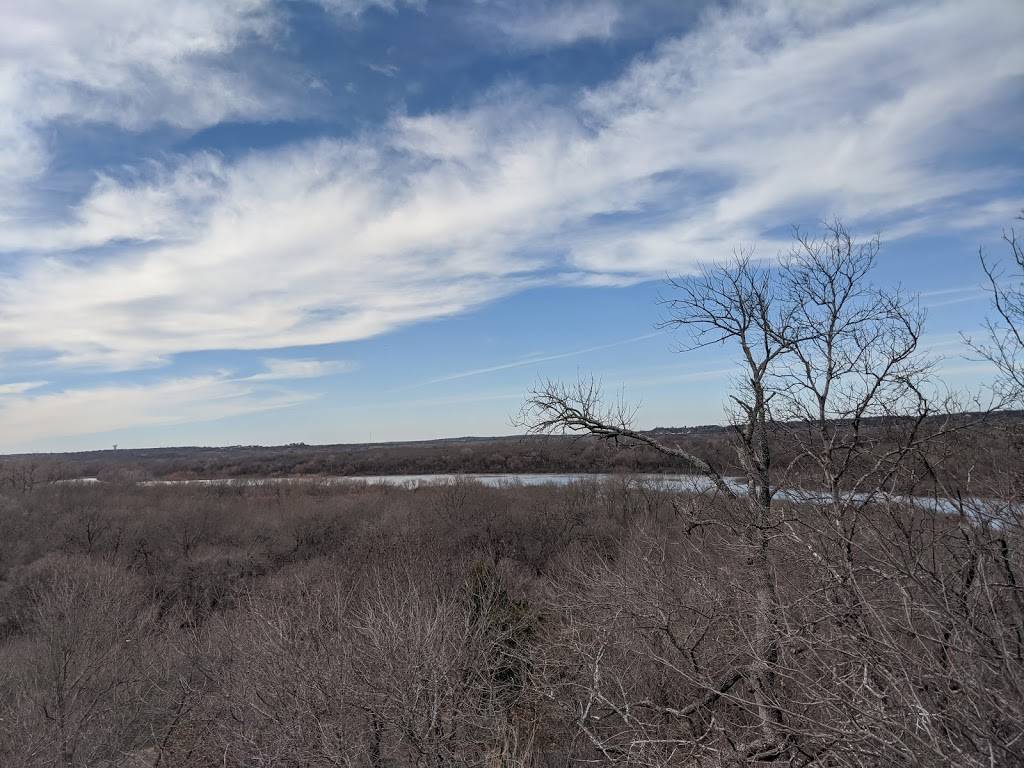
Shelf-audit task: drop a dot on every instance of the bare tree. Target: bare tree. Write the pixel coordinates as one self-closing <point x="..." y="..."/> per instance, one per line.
<point x="851" y="394"/>
<point x="737" y="304"/>
<point x="740" y="304"/>
<point x="555" y="407"/>
<point x="1004" y="347"/>
<point x="829" y="363"/>
<point x="852" y="366"/>
<point x="80" y="681"/>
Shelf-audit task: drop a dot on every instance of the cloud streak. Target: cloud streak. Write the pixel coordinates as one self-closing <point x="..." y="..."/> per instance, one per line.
<point x="535" y="360"/>
<point x="552" y="23"/>
<point x="30" y="418"/>
<point x="125" y="63"/>
<point x="20" y="387"/>
<point x="291" y="369"/>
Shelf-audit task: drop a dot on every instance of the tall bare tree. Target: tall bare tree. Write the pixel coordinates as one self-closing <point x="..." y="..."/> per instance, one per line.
<point x="852" y="393"/>
<point x="1004" y="345"/>
<point x="825" y="358"/>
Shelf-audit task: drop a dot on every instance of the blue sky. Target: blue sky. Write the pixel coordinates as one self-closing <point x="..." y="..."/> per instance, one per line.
<point x="266" y="221"/>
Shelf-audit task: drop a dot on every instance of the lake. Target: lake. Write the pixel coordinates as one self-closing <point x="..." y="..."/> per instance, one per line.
<point x="501" y="480"/>
<point x="663" y="482"/>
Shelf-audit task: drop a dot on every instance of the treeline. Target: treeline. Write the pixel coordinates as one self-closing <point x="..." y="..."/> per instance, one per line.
<point x="503" y="455"/>
<point x="459" y="625"/>
<point x="471" y="455"/>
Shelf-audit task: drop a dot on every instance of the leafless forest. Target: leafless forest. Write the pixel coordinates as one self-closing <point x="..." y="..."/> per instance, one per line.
<point x="856" y="600"/>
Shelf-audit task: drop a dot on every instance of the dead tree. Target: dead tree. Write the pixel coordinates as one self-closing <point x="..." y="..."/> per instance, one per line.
<point x="739" y="304"/>
<point x="733" y="304"/>
<point x="829" y="363"/>
<point x="1004" y="345"/>
<point x="853" y="393"/>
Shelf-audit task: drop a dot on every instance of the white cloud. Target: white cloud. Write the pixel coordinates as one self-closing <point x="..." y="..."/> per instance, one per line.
<point x="388" y="70"/>
<point x="107" y="408"/>
<point x="350" y="9"/>
<point x="278" y="369"/>
<point x="763" y="116"/>
<point x="128" y="63"/>
<point x="20" y="387"/>
<point x="304" y="246"/>
<point x="155" y="203"/>
<point x="104" y="409"/>
<point x="549" y="23"/>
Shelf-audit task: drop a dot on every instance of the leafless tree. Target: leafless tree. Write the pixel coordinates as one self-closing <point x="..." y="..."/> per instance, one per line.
<point x="580" y="407"/>
<point x="78" y="680"/>
<point x="1004" y="345"/>
<point x="725" y="304"/>
<point x="829" y="362"/>
<point x="852" y="369"/>
<point x="740" y="304"/>
<point x="851" y="395"/>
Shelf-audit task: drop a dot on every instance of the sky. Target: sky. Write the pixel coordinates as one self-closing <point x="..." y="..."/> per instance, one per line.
<point x="273" y="221"/>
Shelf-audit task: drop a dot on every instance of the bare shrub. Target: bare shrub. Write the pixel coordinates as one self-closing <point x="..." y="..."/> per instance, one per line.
<point x="78" y="673"/>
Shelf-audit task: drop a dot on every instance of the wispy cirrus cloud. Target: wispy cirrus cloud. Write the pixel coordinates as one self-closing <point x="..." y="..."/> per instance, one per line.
<point x="764" y="114"/>
<point x="126" y="63"/>
<point x="28" y="418"/>
<point x="549" y="23"/>
<point x="20" y="387"/>
<point x="350" y="9"/>
<point x="136" y="64"/>
<point x="536" y="359"/>
<point x="68" y="412"/>
<point x="278" y="369"/>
